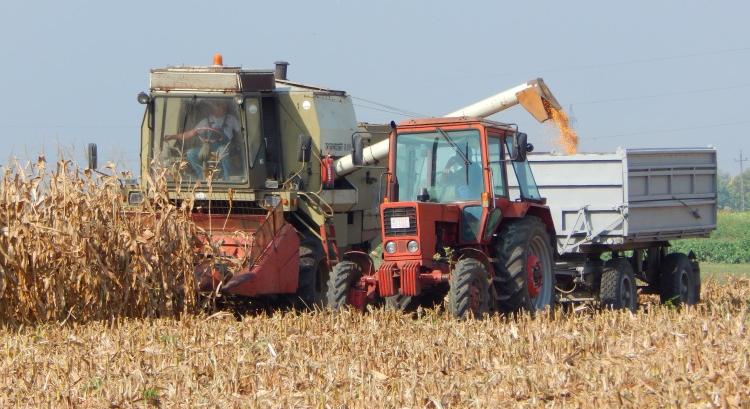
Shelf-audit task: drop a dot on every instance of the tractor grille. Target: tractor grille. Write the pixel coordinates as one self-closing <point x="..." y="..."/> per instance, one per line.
<point x="409" y="212"/>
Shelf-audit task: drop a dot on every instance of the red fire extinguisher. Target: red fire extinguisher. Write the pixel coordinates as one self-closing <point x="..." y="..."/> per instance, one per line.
<point x="326" y="172"/>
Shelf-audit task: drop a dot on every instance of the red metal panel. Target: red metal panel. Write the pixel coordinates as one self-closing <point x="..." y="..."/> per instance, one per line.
<point x="276" y="270"/>
<point x="410" y="284"/>
<point x="385" y="279"/>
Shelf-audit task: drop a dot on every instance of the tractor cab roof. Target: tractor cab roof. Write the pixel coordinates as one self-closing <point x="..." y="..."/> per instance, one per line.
<point x="453" y="122"/>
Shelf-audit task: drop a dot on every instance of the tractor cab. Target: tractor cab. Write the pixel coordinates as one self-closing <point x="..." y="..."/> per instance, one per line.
<point x="451" y="182"/>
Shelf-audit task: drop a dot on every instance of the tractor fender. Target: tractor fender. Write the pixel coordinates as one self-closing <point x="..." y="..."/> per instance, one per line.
<point x="363" y="260"/>
<point x="480" y="256"/>
<point x="519" y="210"/>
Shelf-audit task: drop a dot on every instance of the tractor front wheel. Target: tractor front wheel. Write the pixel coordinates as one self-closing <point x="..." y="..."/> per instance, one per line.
<point x="344" y="275"/>
<point x="469" y="293"/>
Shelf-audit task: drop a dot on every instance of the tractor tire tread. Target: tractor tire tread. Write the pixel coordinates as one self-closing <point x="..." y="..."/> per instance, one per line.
<point x="509" y="270"/>
<point x="342" y="277"/>
<point x="464" y="273"/>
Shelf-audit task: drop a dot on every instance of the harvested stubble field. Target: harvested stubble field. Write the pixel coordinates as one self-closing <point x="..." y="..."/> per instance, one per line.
<point x="94" y="313"/>
<point x="693" y="357"/>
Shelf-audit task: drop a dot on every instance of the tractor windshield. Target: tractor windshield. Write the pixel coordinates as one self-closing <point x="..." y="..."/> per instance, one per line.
<point x="203" y="137"/>
<point x="440" y="166"/>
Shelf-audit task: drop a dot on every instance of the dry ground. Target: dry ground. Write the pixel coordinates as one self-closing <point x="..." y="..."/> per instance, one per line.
<point x="662" y="356"/>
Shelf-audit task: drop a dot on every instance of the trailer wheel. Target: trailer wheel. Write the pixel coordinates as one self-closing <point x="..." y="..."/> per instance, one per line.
<point x="469" y="293"/>
<point x="343" y="276"/>
<point x="679" y="284"/>
<point x="524" y="274"/>
<point x="617" y="289"/>
<point x="313" y="273"/>
<point x="697" y="275"/>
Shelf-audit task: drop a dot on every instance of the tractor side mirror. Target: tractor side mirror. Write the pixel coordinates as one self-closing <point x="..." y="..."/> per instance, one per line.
<point x="519" y="147"/>
<point x="304" y="145"/>
<point x="357" y="151"/>
<point x="91" y="155"/>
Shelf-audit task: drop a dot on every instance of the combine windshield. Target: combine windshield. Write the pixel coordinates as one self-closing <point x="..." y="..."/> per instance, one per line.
<point x="441" y="166"/>
<point x="202" y="137"/>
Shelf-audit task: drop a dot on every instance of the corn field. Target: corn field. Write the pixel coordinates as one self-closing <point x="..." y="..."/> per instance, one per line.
<point x="97" y="310"/>
<point x="659" y="357"/>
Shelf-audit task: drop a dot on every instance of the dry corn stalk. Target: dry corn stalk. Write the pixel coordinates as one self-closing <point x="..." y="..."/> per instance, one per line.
<point x="69" y="250"/>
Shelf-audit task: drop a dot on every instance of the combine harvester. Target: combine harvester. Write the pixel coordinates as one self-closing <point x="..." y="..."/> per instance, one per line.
<point x="264" y="161"/>
<point x="463" y="216"/>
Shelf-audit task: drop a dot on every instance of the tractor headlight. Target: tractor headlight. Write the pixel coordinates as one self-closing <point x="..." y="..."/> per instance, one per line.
<point x="135" y="198"/>
<point x="412" y="246"/>
<point x="390" y="247"/>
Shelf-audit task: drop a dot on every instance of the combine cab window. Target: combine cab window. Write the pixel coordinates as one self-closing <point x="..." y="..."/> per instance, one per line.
<point x="197" y="138"/>
<point x="439" y="167"/>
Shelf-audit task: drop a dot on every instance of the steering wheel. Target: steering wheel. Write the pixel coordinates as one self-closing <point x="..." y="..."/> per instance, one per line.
<point x="207" y="134"/>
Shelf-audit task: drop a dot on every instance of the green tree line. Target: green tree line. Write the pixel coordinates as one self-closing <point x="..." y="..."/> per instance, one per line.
<point x="730" y="190"/>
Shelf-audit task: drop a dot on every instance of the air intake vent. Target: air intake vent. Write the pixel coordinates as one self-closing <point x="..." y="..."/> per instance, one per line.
<point x="399" y="227"/>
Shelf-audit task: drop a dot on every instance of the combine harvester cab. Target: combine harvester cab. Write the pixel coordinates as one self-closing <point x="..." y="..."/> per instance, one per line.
<point x="252" y="155"/>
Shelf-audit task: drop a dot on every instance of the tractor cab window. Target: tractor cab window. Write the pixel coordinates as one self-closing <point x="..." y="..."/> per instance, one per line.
<point x="496" y="162"/>
<point x="521" y="181"/>
<point x="440" y="166"/>
<point x="198" y="138"/>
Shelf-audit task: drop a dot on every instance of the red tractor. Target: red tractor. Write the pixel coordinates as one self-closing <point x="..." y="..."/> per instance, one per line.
<point x="450" y="223"/>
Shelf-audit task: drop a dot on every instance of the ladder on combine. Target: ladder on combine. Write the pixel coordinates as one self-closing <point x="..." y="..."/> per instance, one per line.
<point x="328" y="237"/>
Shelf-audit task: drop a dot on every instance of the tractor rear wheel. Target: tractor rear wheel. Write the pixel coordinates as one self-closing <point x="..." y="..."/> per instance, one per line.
<point x="679" y="284"/>
<point x="524" y="273"/>
<point x="469" y="293"/>
<point x="342" y="278"/>
<point x="313" y="272"/>
<point x="617" y="289"/>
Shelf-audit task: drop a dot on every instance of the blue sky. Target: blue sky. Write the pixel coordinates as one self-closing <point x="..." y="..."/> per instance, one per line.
<point x="637" y="73"/>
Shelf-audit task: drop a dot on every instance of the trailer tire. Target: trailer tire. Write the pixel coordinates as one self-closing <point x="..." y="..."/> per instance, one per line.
<point x="697" y="282"/>
<point x="313" y="273"/>
<point x="469" y="293"/>
<point x="343" y="276"/>
<point x="517" y="241"/>
<point x="618" y="288"/>
<point x="679" y="284"/>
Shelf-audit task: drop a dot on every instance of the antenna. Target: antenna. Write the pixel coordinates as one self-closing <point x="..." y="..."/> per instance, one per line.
<point x="742" y="181"/>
